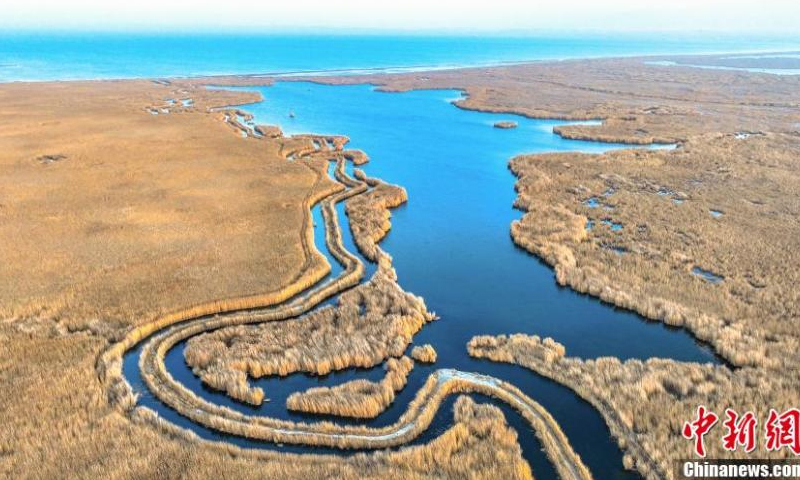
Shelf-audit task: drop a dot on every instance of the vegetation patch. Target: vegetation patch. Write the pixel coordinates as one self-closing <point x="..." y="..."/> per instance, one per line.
<point x="718" y="278"/>
<point x="369" y="214"/>
<point x="356" y="398"/>
<point x="424" y="353"/>
<point x="369" y="324"/>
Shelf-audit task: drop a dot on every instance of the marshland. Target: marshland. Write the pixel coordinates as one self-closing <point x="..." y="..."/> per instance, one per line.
<point x="444" y="171"/>
<point x="469" y="156"/>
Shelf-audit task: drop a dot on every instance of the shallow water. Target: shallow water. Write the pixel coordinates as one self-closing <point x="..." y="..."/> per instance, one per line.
<point x="771" y="71"/>
<point x="766" y="56"/>
<point x="707" y="275"/>
<point x="451" y="245"/>
<point x="614" y="226"/>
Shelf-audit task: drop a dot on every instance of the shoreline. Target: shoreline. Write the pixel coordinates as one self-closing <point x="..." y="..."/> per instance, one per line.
<point x="432" y="68"/>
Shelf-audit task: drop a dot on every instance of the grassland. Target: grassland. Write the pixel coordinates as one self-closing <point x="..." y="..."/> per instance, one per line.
<point x="65" y="428"/>
<point x="369" y="214"/>
<point x="703" y="238"/>
<point x="142" y="214"/>
<point x="370" y="324"/>
<point x="119" y="222"/>
<point x="718" y="203"/>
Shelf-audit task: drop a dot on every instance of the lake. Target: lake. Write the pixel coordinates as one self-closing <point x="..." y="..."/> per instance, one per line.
<point x="451" y="245"/>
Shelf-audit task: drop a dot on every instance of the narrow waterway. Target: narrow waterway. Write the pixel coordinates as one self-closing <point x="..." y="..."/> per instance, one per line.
<point x="451" y="245"/>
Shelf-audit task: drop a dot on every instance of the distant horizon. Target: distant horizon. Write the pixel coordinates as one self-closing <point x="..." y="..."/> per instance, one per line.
<point x="784" y="43"/>
<point x="501" y="17"/>
<point x="408" y="32"/>
<point x="94" y="55"/>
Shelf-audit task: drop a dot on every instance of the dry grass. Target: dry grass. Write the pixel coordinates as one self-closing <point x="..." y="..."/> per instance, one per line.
<point x="109" y="364"/>
<point x="371" y="323"/>
<point x="646" y="403"/>
<point x="748" y="316"/>
<point x="424" y="353"/>
<point x="414" y="420"/>
<point x="60" y="426"/>
<point x="143" y="214"/>
<point x="178" y="397"/>
<point x="369" y="214"/>
<point x="356" y="398"/>
<point x="190" y="193"/>
<point x="358" y="157"/>
<point x="664" y="202"/>
<point x="456" y="448"/>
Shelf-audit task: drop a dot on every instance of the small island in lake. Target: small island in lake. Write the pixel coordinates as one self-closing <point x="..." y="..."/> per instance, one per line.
<point x="505" y="124"/>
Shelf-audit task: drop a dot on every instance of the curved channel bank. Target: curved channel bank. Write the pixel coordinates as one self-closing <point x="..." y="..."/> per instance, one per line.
<point x="421" y="412"/>
<point x="456" y="235"/>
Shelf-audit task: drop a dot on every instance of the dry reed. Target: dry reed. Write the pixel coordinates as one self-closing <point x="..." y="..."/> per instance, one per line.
<point x="424" y="353"/>
<point x="356" y="398"/>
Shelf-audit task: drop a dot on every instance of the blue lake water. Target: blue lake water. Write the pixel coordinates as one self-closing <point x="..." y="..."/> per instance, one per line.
<point x="51" y="56"/>
<point x="451" y="242"/>
<point x="451" y="245"/>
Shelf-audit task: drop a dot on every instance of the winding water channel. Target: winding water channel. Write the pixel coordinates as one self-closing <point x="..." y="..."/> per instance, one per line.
<point x="451" y="245"/>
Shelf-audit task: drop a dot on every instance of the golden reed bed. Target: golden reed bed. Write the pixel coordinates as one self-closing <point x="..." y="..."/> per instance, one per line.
<point x="355" y="398"/>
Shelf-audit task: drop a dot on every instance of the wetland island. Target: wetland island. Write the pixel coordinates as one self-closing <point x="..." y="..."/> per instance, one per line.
<point x="570" y="268"/>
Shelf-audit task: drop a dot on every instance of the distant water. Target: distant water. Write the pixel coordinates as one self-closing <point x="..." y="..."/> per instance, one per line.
<point x="94" y="56"/>
<point x="771" y="71"/>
